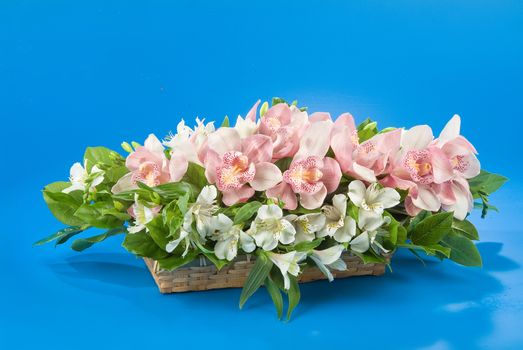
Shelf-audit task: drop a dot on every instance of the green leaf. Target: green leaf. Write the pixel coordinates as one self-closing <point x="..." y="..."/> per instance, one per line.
<point x="367" y="129"/>
<point x="173" y="262"/>
<point x="422" y="215"/>
<point x="195" y="175"/>
<point x="173" y="190"/>
<point x="306" y="246"/>
<point x="402" y="234"/>
<point x="276" y="100"/>
<point x="84" y="243"/>
<point x="225" y="123"/>
<point x="158" y="231"/>
<point x="284" y="163"/>
<point x="93" y="214"/>
<point x="263" y="109"/>
<point x="97" y="155"/>
<point x="432" y="249"/>
<point x="465" y="228"/>
<point x="246" y="212"/>
<point x="275" y="294"/>
<point x="257" y="275"/>
<point x="370" y="258"/>
<point x="432" y="229"/>
<point x="66" y="232"/>
<point x="63" y="205"/>
<point x="294" y="296"/>
<point x="486" y="182"/>
<point x="219" y="263"/>
<point x="114" y="174"/>
<point x="143" y="245"/>
<point x="463" y="251"/>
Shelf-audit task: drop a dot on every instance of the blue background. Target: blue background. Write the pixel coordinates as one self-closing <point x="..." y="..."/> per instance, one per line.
<point x="75" y="74"/>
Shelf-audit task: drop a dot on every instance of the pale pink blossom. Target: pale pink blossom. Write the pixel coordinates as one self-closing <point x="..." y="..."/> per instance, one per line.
<point x="148" y="164"/>
<point x="239" y="167"/>
<point x="285" y="126"/>
<point x="364" y="160"/>
<point x="311" y="174"/>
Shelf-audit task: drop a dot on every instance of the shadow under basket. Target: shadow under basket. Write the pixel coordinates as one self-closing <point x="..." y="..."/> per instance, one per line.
<point x="196" y="277"/>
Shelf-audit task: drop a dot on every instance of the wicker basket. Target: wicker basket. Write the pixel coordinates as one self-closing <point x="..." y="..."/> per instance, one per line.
<point x="192" y="278"/>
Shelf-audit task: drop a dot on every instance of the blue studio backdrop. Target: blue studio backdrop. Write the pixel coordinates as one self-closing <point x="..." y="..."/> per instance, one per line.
<point x="75" y="74"/>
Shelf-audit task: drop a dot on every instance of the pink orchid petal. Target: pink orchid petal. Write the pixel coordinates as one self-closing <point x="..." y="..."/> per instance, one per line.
<point x="331" y="174"/>
<point x="284" y="193"/>
<point x="396" y="182"/>
<point x="319" y="117"/>
<point x="416" y="138"/>
<point x="445" y="193"/>
<point x="441" y="167"/>
<point x="345" y="120"/>
<point x="451" y="130"/>
<point x="224" y="140"/>
<point x="267" y="175"/>
<point x="177" y="167"/>
<point x="258" y="148"/>
<point x="251" y="115"/>
<point x="153" y="144"/>
<point x="363" y="173"/>
<point x="388" y="142"/>
<point x="212" y="161"/>
<point x="411" y="209"/>
<point x="313" y="201"/>
<point x="425" y="198"/>
<point x="239" y="195"/>
<point x="464" y="201"/>
<point x="315" y="141"/>
<point x="343" y="148"/>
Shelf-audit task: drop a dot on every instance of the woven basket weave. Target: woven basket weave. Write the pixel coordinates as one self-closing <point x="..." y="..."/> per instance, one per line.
<point x="195" y="278"/>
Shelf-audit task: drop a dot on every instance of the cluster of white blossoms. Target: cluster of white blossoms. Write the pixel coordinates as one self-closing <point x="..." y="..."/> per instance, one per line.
<point x="271" y="229"/>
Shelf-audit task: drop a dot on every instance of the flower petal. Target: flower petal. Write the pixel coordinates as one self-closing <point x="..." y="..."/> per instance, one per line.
<point x="241" y="194"/>
<point x="224" y="140"/>
<point x="124" y="184"/>
<point x="314" y="200"/>
<point x="450" y="131"/>
<point x="329" y="255"/>
<point x="369" y="220"/>
<point x="360" y="243"/>
<point x="319" y="117"/>
<point x="331" y="174"/>
<point x="347" y="231"/>
<point x="417" y="137"/>
<point x="283" y="192"/>
<point x="268" y="212"/>
<point x="177" y="167"/>
<point x="315" y="141"/>
<point x="251" y="115"/>
<point x="357" y="192"/>
<point x="267" y="176"/>
<point x="258" y="148"/>
<point x="363" y="173"/>
<point x="153" y="144"/>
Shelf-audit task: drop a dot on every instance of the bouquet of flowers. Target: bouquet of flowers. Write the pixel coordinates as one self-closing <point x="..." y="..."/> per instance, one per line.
<point x="292" y="190"/>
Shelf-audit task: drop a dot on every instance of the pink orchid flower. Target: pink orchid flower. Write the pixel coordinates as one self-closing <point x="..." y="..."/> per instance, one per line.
<point x="455" y="196"/>
<point x="148" y="164"/>
<point x="285" y="126"/>
<point x="311" y="174"/>
<point x="460" y="152"/>
<point x="366" y="160"/>
<point x="239" y="167"/>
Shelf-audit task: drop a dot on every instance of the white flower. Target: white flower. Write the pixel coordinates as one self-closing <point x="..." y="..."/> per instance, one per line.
<point x="368" y="239"/>
<point x="227" y="238"/>
<point x="246" y="127"/>
<point x="187" y="141"/>
<point x="330" y="257"/>
<point x="269" y="227"/>
<point x="371" y="202"/>
<point x="288" y="264"/>
<point x="80" y="178"/>
<point x="142" y="214"/>
<point x="306" y="226"/>
<point x="338" y="224"/>
<point x="202" y="212"/>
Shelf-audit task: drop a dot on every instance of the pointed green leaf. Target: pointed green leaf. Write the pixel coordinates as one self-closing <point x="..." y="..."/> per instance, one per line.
<point x="432" y="229"/>
<point x="486" y="182"/>
<point x="225" y="123"/>
<point x="246" y="212"/>
<point x="275" y="294"/>
<point x="66" y="232"/>
<point x="465" y="228"/>
<point x="294" y="296"/>
<point x="84" y="243"/>
<point x="257" y="275"/>
<point x="463" y="251"/>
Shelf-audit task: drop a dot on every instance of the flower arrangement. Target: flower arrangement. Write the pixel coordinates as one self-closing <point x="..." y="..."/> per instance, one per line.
<point x="292" y="190"/>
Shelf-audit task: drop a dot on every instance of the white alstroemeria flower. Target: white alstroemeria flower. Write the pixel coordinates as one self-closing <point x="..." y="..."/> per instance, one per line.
<point x="246" y="127"/>
<point x="142" y="214"/>
<point x="288" y="264"/>
<point x="269" y="227"/>
<point x="202" y="212"/>
<point x="79" y="177"/>
<point x="330" y="257"/>
<point x="368" y="239"/>
<point x="338" y="224"/>
<point x="227" y="238"/>
<point x="187" y="141"/>
<point x="306" y="226"/>
<point x="371" y="202"/>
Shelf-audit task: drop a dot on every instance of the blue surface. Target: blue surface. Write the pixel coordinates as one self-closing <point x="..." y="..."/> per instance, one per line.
<point x="98" y="73"/>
